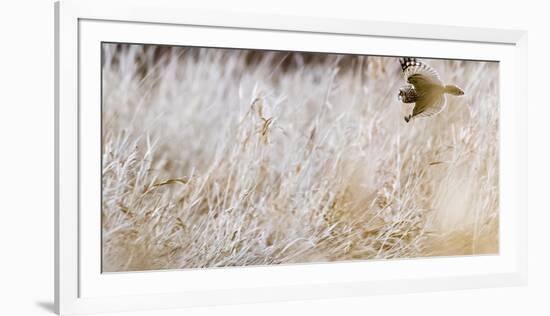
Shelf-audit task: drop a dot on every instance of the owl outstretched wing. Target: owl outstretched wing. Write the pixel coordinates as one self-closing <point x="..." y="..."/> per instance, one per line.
<point x="415" y="71"/>
<point x="429" y="106"/>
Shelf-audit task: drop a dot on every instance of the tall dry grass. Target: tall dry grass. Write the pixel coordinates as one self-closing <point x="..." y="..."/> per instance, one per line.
<point x="212" y="159"/>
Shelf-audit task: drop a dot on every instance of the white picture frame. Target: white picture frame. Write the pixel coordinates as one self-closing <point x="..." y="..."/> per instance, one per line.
<point x="81" y="26"/>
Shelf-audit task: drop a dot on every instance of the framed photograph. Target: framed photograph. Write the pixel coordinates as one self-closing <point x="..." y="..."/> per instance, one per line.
<point x="211" y="157"/>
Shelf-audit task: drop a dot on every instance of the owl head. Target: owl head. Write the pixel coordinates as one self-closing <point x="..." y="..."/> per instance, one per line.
<point x="407" y="94"/>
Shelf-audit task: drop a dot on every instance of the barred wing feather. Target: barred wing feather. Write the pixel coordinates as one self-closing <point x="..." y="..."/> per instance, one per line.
<point x="414" y="68"/>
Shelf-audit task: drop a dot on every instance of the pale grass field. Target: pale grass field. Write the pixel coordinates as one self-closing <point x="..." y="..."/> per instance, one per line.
<point x="213" y="159"/>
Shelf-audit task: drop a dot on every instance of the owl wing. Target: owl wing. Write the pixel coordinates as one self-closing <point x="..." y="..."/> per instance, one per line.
<point x="417" y="72"/>
<point x="428" y="106"/>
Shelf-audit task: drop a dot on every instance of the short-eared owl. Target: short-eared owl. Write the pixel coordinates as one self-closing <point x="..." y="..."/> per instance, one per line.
<point x="425" y="88"/>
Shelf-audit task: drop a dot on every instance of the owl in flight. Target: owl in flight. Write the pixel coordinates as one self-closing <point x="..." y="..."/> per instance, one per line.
<point x="425" y="88"/>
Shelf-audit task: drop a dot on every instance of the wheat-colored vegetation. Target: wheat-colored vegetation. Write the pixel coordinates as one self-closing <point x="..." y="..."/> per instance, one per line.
<point x="216" y="158"/>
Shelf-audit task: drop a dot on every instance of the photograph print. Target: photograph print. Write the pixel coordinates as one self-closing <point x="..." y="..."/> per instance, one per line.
<point x="224" y="157"/>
